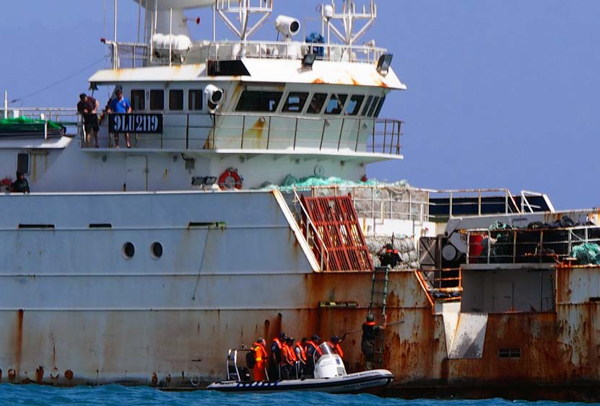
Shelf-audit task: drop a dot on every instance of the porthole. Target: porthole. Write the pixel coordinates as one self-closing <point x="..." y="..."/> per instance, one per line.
<point x="128" y="250"/>
<point x="157" y="250"/>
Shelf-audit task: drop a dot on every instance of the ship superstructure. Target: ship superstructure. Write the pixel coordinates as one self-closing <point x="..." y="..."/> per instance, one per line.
<point x="242" y="210"/>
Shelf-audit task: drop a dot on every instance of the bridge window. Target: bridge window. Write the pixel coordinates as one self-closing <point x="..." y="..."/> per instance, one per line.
<point x="176" y="100"/>
<point x="295" y="102"/>
<point x="138" y="100"/>
<point x="367" y="105"/>
<point x="195" y="100"/>
<point x="259" y="101"/>
<point x="380" y="106"/>
<point x="373" y="107"/>
<point x="157" y="99"/>
<point x="336" y="104"/>
<point x="317" y="103"/>
<point x="354" y="105"/>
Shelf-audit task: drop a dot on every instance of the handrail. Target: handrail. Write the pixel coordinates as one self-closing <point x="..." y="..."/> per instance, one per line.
<point x="324" y="259"/>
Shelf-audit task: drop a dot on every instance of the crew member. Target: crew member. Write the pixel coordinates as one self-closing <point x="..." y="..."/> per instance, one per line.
<point x="301" y="357"/>
<point x="120" y="105"/>
<point x="388" y="256"/>
<point x="335" y="345"/>
<point x="20" y="185"/>
<point x="276" y="355"/>
<point x="369" y="337"/>
<point x="88" y="108"/>
<point x="288" y="359"/>
<point x="260" y="358"/>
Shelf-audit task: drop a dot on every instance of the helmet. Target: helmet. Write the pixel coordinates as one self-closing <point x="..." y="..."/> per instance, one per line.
<point x="389" y="247"/>
<point x="370" y="317"/>
<point x="289" y="340"/>
<point x="315" y="338"/>
<point x="335" y="339"/>
<point x="282" y="336"/>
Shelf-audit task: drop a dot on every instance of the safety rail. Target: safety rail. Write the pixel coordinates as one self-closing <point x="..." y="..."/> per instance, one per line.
<point x="57" y="114"/>
<point x="269" y="132"/>
<point x="311" y="233"/>
<point x="527" y="246"/>
<point x="132" y="55"/>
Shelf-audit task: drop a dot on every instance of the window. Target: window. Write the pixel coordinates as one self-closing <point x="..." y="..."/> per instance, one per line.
<point x="23" y="164"/>
<point x="157" y="250"/>
<point x="354" y="106"/>
<point x="295" y="102"/>
<point x="195" y="100"/>
<point x="380" y="106"/>
<point x="128" y="250"/>
<point x="176" y="100"/>
<point x="336" y="104"/>
<point x="157" y="99"/>
<point x="317" y="103"/>
<point x="367" y="105"/>
<point x="373" y="107"/>
<point x="138" y="100"/>
<point x="509" y="353"/>
<point x="260" y="101"/>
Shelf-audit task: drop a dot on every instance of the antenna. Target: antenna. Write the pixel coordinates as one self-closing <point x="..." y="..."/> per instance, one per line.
<point x="244" y="10"/>
<point x="349" y="16"/>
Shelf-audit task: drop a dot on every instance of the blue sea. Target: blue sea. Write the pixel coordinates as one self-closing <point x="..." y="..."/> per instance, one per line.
<point x="123" y="396"/>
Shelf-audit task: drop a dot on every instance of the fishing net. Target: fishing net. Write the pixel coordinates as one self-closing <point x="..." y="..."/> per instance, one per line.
<point x="587" y="254"/>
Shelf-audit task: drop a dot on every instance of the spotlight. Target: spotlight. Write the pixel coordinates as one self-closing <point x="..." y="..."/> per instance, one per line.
<point x="384" y="64"/>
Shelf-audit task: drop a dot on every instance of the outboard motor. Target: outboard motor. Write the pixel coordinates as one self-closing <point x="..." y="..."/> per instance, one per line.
<point x="329" y="364"/>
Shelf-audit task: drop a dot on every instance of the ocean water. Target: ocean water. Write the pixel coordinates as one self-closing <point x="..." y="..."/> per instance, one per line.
<point x="123" y="396"/>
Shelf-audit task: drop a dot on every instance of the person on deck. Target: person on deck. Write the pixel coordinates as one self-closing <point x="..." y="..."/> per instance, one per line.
<point x="260" y="358"/>
<point x="20" y="185"/>
<point x="88" y="108"/>
<point x="120" y="105"/>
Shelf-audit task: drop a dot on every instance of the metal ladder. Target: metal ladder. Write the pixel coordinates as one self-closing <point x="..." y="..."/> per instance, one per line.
<point x="379" y="292"/>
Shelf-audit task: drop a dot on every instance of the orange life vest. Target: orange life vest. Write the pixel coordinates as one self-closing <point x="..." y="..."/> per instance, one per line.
<point x="337" y="349"/>
<point x="302" y="352"/>
<point x="315" y="346"/>
<point x="288" y="357"/>
<point x="260" y="353"/>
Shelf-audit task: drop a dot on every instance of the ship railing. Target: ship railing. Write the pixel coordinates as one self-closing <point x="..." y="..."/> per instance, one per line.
<point x="132" y="55"/>
<point x="67" y="117"/>
<point x="270" y="133"/>
<point x="311" y="233"/>
<point x="549" y="246"/>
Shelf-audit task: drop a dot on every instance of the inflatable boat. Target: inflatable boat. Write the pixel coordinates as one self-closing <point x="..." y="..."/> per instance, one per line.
<point x="329" y="376"/>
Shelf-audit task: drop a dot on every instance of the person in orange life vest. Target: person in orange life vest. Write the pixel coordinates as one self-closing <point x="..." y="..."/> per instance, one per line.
<point x="335" y="345"/>
<point x="313" y="353"/>
<point x="288" y="359"/>
<point x="389" y="256"/>
<point x="301" y="357"/>
<point x="369" y="336"/>
<point x="260" y="357"/>
<point x="275" y="358"/>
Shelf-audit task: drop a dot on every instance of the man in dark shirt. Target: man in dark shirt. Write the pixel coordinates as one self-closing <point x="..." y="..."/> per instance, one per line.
<point x="88" y="108"/>
<point x="370" y="334"/>
<point x="20" y="185"/>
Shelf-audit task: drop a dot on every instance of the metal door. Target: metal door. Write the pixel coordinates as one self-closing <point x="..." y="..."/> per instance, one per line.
<point x="136" y="174"/>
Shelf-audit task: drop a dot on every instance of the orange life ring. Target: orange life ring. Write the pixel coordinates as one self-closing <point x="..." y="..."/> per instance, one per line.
<point x="230" y="180"/>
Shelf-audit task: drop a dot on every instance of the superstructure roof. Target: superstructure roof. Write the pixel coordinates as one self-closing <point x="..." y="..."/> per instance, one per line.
<point x="261" y="71"/>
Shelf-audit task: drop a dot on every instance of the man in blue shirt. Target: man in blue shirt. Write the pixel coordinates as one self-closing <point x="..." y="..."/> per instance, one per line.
<point x="120" y="105"/>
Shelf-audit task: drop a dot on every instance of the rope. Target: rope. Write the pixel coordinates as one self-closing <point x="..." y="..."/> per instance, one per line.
<point x="57" y="82"/>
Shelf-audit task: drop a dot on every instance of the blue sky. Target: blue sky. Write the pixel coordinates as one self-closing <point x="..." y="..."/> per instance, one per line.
<point x="502" y="93"/>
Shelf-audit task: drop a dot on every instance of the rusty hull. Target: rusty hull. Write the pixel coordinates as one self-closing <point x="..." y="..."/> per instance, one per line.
<point x="186" y="349"/>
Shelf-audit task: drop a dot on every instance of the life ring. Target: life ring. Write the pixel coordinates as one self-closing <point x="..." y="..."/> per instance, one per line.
<point x="5" y="185"/>
<point x="230" y="180"/>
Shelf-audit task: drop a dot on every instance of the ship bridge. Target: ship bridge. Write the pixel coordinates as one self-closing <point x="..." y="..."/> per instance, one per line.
<point x="312" y="99"/>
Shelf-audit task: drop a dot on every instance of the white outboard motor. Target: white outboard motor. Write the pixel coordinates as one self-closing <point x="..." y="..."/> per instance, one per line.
<point x="329" y="364"/>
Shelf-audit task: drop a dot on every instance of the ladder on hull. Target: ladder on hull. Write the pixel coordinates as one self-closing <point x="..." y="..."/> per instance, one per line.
<point x="377" y="307"/>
